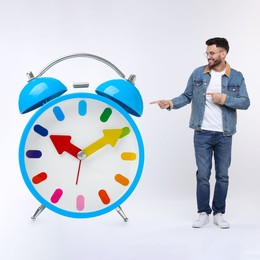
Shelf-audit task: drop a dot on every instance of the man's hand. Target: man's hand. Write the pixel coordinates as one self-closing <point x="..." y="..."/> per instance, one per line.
<point x="163" y="104"/>
<point x="217" y="98"/>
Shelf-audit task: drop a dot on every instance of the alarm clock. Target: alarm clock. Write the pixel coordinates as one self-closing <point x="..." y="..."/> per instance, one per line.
<point x="81" y="155"/>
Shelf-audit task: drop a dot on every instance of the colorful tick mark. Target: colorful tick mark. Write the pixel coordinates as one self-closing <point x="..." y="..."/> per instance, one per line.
<point x="105" y="114"/>
<point x="104" y="197"/>
<point x="34" y="154"/>
<point x="58" y="113"/>
<point x="128" y="156"/>
<point x="42" y="176"/>
<point x="82" y="108"/>
<point x="56" y="196"/>
<point x="40" y="130"/>
<point x="125" y="131"/>
<point x="80" y="202"/>
<point x="122" y="179"/>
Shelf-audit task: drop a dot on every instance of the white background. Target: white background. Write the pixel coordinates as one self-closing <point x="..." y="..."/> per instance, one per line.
<point x="161" y="41"/>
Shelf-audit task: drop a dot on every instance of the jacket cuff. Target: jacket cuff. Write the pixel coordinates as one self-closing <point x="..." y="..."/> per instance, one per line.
<point x="223" y="99"/>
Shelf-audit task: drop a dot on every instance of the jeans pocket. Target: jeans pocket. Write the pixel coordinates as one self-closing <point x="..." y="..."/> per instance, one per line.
<point x="197" y="132"/>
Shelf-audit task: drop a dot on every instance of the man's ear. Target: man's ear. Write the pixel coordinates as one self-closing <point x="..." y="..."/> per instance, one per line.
<point x="223" y="54"/>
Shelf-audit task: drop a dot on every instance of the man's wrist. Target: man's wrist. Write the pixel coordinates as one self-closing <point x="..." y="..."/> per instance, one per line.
<point x="170" y="105"/>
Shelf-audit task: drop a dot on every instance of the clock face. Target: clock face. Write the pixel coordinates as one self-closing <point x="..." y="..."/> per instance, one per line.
<point x="81" y="155"/>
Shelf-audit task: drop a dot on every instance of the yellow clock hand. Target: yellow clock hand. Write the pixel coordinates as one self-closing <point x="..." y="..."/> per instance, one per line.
<point x="110" y="136"/>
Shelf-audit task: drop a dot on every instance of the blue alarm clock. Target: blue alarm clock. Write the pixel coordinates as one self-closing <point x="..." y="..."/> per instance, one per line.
<point x="81" y="155"/>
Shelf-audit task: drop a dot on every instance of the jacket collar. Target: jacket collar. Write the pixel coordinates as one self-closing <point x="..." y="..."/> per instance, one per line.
<point x="227" y="70"/>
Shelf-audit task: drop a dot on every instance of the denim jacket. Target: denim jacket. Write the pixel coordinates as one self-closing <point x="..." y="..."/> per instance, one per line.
<point x="235" y="97"/>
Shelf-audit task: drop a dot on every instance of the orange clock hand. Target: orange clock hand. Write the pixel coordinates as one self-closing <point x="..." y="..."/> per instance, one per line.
<point x="110" y="136"/>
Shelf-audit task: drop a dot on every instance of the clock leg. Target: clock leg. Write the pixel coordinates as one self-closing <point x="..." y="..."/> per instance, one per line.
<point x="38" y="212"/>
<point x="121" y="213"/>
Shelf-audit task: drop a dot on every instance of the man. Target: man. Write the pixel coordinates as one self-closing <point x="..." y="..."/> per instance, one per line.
<point x="216" y="92"/>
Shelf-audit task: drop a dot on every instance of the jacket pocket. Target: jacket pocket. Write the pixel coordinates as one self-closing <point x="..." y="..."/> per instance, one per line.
<point x="197" y="87"/>
<point x="233" y="90"/>
<point x="197" y="83"/>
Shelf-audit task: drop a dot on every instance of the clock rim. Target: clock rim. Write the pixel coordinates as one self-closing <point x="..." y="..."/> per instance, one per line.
<point x="45" y="202"/>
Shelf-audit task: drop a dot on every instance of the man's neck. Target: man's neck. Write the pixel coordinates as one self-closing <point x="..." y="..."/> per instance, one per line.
<point x="220" y="67"/>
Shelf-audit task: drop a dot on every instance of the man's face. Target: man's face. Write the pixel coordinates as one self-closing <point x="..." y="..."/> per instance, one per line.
<point x="215" y="55"/>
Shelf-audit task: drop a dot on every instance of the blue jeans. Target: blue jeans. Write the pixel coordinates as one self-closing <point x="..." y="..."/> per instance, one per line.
<point x="208" y="144"/>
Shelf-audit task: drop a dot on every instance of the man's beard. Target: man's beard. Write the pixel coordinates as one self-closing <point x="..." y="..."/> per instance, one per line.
<point x="214" y="63"/>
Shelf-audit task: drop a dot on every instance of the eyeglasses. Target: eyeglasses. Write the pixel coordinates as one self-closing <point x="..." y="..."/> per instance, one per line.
<point x="211" y="53"/>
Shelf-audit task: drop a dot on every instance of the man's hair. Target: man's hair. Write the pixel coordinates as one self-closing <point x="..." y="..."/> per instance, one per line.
<point x="220" y="42"/>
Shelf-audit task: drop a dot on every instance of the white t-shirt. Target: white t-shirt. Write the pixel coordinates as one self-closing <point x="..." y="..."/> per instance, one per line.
<point x="212" y="119"/>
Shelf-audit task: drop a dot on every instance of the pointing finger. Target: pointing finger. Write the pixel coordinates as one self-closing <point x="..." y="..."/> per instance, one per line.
<point x="156" y="102"/>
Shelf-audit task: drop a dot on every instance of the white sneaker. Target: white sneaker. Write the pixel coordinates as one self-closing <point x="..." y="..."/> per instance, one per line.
<point x="219" y="221"/>
<point x="202" y="220"/>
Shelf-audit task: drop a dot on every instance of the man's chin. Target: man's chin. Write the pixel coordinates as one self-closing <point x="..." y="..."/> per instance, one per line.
<point x="211" y="65"/>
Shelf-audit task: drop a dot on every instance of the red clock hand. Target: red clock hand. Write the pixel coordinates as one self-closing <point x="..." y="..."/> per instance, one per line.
<point x="62" y="144"/>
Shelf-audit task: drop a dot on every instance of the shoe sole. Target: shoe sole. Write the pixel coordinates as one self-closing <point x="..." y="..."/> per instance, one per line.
<point x="207" y="222"/>
<point x="224" y="227"/>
